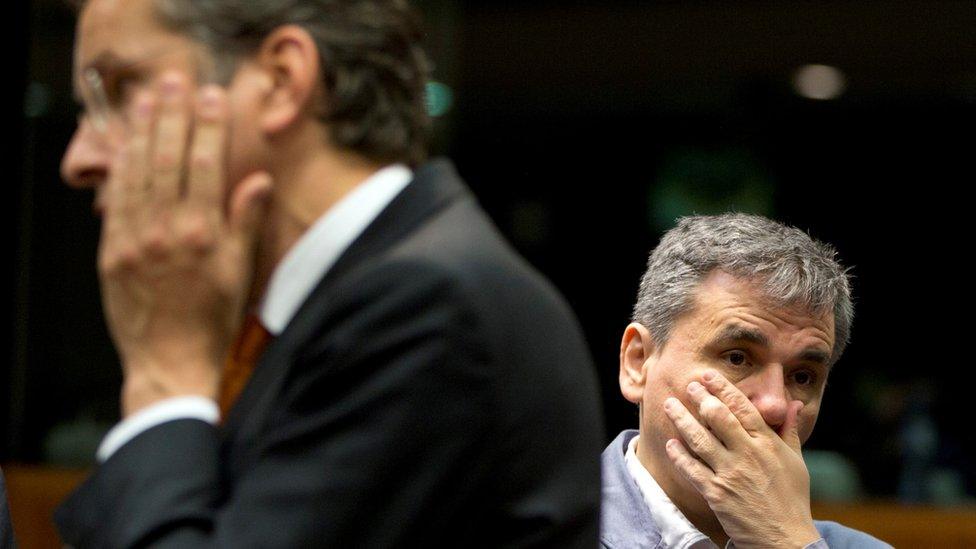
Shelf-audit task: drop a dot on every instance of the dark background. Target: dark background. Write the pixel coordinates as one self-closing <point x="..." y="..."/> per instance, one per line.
<point x="585" y="128"/>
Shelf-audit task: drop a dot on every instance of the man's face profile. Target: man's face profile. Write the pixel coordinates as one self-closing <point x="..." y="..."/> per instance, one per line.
<point x="774" y="355"/>
<point x="123" y="42"/>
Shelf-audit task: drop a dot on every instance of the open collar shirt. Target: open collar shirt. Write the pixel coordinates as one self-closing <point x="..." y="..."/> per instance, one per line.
<point x="292" y="281"/>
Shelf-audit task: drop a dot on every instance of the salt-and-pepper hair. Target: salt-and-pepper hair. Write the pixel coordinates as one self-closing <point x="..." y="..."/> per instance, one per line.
<point x="791" y="269"/>
<point x="374" y="68"/>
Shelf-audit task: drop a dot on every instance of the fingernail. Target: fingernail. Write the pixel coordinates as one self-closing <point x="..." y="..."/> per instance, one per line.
<point x="144" y="105"/>
<point x="210" y="96"/>
<point x="695" y="387"/>
<point x="669" y="404"/>
<point x="266" y="185"/>
<point x="709" y="376"/>
<point x="172" y="84"/>
<point x="210" y="100"/>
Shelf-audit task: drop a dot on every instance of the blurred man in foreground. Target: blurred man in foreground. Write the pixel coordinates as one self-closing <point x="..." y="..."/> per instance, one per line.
<point x="737" y="324"/>
<point x="422" y="387"/>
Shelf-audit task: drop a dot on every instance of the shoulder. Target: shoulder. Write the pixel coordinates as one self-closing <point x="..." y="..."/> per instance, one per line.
<point x="457" y="259"/>
<point x="612" y="459"/>
<point x="391" y="304"/>
<point x="435" y="237"/>
<point x="625" y="522"/>
<point x="839" y="536"/>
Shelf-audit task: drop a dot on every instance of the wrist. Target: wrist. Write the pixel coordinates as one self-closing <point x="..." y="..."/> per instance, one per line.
<point x="793" y="538"/>
<point x="803" y="537"/>
<point x="143" y="388"/>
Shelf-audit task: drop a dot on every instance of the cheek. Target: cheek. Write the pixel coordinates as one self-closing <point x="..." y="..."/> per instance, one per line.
<point x="667" y="378"/>
<point x="670" y="376"/>
<point x="247" y="146"/>
<point x="807" y="421"/>
<point x="242" y="150"/>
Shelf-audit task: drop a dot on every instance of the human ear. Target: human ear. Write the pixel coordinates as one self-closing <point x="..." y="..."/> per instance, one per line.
<point x="636" y="347"/>
<point x="290" y="58"/>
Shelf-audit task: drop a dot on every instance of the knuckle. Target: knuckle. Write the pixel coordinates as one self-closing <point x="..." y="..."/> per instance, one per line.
<point x="203" y="160"/>
<point x="165" y="161"/>
<point x="108" y="263"/>
<point x="117" y="259"/>
<point x="712" y="493"/>
<point x="731" y="477"/>
<point x="698" y="440"/>
<point x="195" y="233"/>
<point x="718" y="491"/>
<point x="157" y="243"/>
<point x="710" y="408"/>
<point x="730" y="393"/>
<point x="739" y="404"/>
<point x="767" y="445"/>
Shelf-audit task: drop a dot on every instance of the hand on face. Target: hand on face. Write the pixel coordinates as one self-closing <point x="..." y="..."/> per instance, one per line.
<point x="753" y="478"/>
<point x="175" y="263"/>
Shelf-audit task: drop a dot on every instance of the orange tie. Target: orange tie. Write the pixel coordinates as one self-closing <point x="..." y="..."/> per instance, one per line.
<point x="243" y="357"/>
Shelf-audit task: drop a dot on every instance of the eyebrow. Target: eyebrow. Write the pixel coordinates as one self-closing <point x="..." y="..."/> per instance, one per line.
<point x="815" y="355"/>
<point x="740" y="333"/>
<point x="107" y="60"/>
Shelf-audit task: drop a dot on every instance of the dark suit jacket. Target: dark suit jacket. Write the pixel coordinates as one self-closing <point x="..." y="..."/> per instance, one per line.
<point x="434" y="391"/>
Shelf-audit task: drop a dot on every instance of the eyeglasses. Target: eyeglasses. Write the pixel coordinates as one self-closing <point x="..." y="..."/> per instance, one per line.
<point x="103" y="109"/>
<point x="97" y="109"/>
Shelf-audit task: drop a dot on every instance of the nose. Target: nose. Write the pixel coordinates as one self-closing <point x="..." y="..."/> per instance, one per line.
<point x="86" y="160"/>
<point x="767" y="391"/>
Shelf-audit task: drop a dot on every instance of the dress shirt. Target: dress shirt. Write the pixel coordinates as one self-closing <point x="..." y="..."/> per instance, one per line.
<point x="290" y="285"/>
<point x="677" y="532"/>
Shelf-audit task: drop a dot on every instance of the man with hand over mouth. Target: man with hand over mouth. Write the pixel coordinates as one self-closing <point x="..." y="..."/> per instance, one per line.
<point x="737" y="324"/>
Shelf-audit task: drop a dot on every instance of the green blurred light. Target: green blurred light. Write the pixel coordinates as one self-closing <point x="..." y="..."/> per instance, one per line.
<point x="707" y="182"/>
<point x="440" y="98"/>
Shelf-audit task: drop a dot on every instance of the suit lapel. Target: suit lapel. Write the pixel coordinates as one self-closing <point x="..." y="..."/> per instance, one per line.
<point x="434" y="187"/>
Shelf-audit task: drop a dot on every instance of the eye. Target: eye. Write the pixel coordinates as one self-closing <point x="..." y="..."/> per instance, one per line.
<point x="804" y="377"/>
<point x="736" y="358"/>
<point x="120" y="88"/>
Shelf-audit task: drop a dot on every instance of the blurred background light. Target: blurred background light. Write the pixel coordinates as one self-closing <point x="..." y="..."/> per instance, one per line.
<point x="37" y="100"/>
<point x="440" y="98"/>
<point x="704" y="181"/>
<point x="820" y="82"/>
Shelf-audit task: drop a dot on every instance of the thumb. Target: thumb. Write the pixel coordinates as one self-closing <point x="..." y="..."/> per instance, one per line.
<point x="790" y="429"/>
<point x="248" y="206"/>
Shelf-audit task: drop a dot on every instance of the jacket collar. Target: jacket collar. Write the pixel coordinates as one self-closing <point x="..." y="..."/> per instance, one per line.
<point x="434" y="187"/>
<point x="625" y="522"/>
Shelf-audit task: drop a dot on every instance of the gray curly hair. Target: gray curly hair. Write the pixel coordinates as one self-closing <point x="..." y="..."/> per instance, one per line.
<point x="791" y="268"/>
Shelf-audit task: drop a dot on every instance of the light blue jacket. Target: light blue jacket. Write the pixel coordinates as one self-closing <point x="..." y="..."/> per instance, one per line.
<point x="625" y="522"/>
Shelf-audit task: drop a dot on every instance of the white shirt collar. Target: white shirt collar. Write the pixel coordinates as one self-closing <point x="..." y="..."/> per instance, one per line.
<point x="677" y="532"/>
<point x="320" y="247"/>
